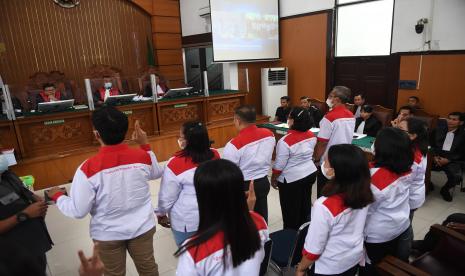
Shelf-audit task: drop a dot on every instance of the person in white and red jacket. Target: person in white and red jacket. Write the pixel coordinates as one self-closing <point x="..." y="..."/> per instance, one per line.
<point x="230" y="239"/>
<point x="113" y="188"/>
<point x="177" y="201"/>
<point x="336" y="127"/>
<point x="294" y="172"/>
<point x="251" y="151"/>
<point x="334" y="242"/>
<point x="417" y="131"/>
<point x="388" y="230"/>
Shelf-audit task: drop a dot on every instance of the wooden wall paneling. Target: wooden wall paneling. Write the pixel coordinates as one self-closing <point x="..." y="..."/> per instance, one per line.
<point x="57" y="133"/>
<point x="164" y="24"/>
<point x="146" y="5"/>
<point x="221" y="109"/>
<point x="172" y="72"/>
<point x="41" y="36"/>
<point x="169" y="57"/>
<point x="144" y="114"/>
<point x="177" y="83"/>
<point x="167" y="41"/>
<point x="172" y="114"/>
<point x="166" y="8"/>
<point x="441" y="84"/>
<point x="8" y="138"/>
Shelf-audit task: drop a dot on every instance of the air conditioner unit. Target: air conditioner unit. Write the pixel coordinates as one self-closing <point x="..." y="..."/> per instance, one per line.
<point x="274" y="86"/>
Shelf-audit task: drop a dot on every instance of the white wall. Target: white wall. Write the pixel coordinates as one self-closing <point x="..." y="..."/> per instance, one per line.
<point x="446" y="25"/>
<point x="191" y="22"/>
<point x="295" y="7"/>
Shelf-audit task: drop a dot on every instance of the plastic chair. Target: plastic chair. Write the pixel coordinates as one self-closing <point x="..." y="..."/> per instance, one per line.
<point x="287" y="247"/>
<point x="266" y="260"/>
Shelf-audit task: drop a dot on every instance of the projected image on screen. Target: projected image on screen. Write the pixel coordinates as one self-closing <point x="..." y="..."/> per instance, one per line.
<point x="245" y="29"/>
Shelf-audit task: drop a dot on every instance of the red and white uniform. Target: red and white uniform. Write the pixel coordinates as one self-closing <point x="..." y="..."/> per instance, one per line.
<point x="417" y="187"/>
<point x="251" y="150"/>
<point x="207" y="258"/>
<point x="294" y="154"/>
<point x="113" y="187"/>
<point x="336" y="127"/>
<point x="335" y="235"/>
<point x="177" y="195"/>
<point x="388" y="216"/>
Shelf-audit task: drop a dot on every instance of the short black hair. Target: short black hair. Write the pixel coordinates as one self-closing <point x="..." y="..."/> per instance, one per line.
<point x="305" y="98"/>
<point x="393" y="150"/>
<point x="360" y="94"/>
<point x="351" y="176"/>
<point x="343" y="93"/>
<point x="246" y="113"/>
<point x="406" y="107"/>
<point x="301" y="117"/>
<point x="415" y="97"/>
<point x="111" y="124"/>
<point x="48" y="84"/>
<point x="459" y="114"/>
<point x="287" y="98"/>
<point x="367" y="108"/>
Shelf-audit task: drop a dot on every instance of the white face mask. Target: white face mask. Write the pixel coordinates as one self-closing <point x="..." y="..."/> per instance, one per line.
<point x="3" y="164"/>
<point x="325" y="171"/>
<point x="329" y="103"/>
<point x="181" y="143"/>
<point x="108" y="85"/>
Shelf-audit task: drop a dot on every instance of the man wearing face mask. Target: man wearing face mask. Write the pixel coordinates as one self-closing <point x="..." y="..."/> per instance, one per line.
<point x="101" y="95"/>
<point x="22" y="225"/>
<point x="336" y="127"/>
<point x="113" y="187"/>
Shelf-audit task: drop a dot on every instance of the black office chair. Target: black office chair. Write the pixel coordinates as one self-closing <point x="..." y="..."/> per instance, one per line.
<point x="266" y="260"/>
<point x="287" y="248"/>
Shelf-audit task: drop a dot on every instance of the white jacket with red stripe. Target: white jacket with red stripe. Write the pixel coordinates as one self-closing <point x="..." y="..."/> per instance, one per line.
<point x="207" y="258"/>
<point x="294" y="153"/>
<point x="388" y="216"/>
<point x="251" y="151"/>
<point x="113" y="187"/>
<point x="336" y="127"/>
<point x="417" y="187"/>
<point x="335" y="235"/>
<point x="177" y="195"/>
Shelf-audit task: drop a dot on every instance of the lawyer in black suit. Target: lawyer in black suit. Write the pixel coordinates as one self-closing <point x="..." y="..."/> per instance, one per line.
<point x="448" y="150"/>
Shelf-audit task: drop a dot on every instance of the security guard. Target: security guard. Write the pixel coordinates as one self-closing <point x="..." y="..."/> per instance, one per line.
<point x="24" y="237"/>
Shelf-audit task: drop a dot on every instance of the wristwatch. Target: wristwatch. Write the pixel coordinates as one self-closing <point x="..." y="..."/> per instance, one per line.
<point x="21" y="217"/>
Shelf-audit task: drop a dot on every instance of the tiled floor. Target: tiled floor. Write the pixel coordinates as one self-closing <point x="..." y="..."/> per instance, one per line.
<point x="70" y="235"/>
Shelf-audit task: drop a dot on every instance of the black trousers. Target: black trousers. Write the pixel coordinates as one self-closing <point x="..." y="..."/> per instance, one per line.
<point x="262" y="188"/>
<point x="350" y="272"/>
<point x="296" y="201"/>
<point x="453" y="172"/>
<point x="398" y="247"/>
<point x="321" y="182"/>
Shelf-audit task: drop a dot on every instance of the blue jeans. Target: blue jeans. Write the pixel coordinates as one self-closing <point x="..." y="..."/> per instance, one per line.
<point x="180" y="237"/>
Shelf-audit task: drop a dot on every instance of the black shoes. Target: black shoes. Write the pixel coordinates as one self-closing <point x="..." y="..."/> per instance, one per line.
<point x="446" y="194"/>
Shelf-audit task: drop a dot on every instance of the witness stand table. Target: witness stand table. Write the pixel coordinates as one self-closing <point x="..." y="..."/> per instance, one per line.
<point x="364" y="143"/>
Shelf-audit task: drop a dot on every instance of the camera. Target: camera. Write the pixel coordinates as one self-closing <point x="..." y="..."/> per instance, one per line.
<point x="420" y="26"/>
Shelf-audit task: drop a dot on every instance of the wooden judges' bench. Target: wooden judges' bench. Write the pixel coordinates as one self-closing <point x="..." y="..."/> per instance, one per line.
<point x="51" y="146"/>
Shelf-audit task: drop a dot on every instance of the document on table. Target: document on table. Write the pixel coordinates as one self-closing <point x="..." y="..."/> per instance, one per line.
<point x="359" y="136"/>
